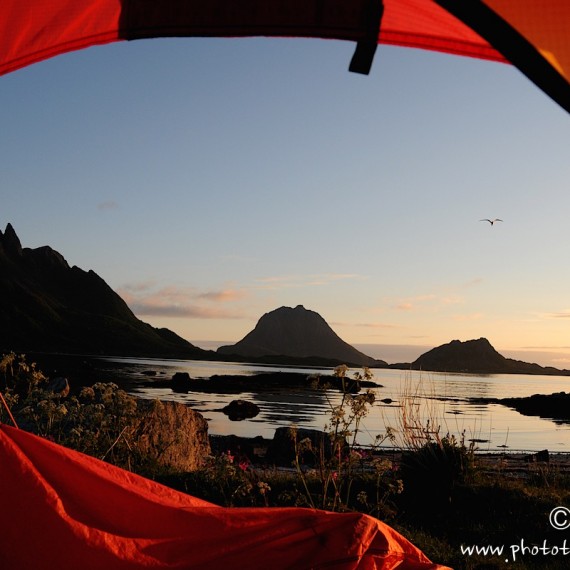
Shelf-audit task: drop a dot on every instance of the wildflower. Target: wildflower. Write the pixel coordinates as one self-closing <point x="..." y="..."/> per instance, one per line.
<point x="362" y="498"/>
<point x="263" y="488"/>
<point x="337" y="414"/>
<point x="382" y="465"/>
<point x="243" y="465"/>
<point x="354" y="455"/>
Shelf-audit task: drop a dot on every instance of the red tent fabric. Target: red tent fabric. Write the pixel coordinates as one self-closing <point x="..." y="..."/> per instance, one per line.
<point x="62" y="509"/>
<point x="532" y="34"/>
<point x="38" y="29"/>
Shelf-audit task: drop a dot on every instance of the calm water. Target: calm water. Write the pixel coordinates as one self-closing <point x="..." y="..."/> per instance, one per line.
<point x="444" y="398"/>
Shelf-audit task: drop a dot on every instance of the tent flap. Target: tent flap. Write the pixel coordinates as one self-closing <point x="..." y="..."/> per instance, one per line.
<point x="62" y="509"/>
<point x="531" y="34"/>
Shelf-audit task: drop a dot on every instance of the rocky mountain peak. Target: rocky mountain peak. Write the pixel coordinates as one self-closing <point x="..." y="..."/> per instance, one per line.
<point x="296" y="333"/>
<point x="48" y="306"/>
<point x="9" y="242"/>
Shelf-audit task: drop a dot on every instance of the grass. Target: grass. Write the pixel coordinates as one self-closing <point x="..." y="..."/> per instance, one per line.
<point x="490" y="509"/>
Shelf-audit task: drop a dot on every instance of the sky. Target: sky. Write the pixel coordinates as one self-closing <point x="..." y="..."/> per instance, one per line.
<point x="210" y="181"/>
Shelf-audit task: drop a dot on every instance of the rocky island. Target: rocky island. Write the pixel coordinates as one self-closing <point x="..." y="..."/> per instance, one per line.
<point x="297" y="333"/>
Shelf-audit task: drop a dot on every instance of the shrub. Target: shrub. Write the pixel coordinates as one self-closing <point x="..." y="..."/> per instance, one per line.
<point x="101" y="420"/>
<point x="345" y="476"/>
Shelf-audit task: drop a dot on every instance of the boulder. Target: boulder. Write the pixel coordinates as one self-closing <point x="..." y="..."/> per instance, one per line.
<point x="238" y="410"/>
<point x="59" y="386"/>
<point x="540" y="457"/>
<point x="181" y="382"/>
<point x="282" y="448"/>
<point x="172" y="434"/>
<point x="244" y="449"/>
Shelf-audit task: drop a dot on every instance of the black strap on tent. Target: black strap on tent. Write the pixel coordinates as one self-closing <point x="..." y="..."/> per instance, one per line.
<point x="516" y="48"/>
<point x="366" y="48"/>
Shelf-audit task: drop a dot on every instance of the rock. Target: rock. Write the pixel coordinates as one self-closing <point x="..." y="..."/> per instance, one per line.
<point x="172" y="434"/>
<point x="59" y="386"/>
<point x="244" y="449"/>
<point x="9" y="242"/>
<point x="181" y="382"/>
<point x="540" y="457"/>
<point x="282" y="448"/>
<point x="555" y="406"/>
<point x="238" y="410"/>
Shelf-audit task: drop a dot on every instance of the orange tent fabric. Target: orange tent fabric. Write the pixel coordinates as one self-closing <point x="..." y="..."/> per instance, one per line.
<point x="62" y="509"/>
<point x="531" y="34"/>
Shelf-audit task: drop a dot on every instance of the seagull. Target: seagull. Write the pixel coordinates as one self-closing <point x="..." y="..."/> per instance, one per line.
<point x="491" y="221"/>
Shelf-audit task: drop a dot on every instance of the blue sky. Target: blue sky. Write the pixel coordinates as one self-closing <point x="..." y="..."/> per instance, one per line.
<point x="209" y="181"/>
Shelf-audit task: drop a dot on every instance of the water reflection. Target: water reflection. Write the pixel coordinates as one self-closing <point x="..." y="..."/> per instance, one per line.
<point x="446" y="399"/>
<point x="283" y="407"/>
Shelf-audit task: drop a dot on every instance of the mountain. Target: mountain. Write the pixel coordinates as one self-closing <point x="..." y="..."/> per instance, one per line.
<point x="476" y="356"/>
<point x="297" y="334"/>
<point x="48" y="306"/>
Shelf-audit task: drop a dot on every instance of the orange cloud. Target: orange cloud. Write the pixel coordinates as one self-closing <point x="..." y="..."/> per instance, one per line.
<point x="174" y="301"/>
<point x="226" y="295"/>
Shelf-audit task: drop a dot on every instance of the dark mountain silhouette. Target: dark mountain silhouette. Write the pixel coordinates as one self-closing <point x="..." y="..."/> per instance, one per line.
<point x="296" y="333"/>
<point x="48" y="306"/>
<point x="475" y="356"/>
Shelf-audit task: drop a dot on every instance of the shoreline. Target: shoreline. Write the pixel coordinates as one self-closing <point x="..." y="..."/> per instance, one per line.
<point x="514" y="463"/>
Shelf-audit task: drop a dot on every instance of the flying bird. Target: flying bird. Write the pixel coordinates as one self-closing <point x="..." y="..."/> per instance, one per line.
<point x="491" y="221"/>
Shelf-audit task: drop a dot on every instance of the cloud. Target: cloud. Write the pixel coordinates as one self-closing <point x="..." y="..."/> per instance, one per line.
<point x="561" y="315"/>
<point x="420" y="302"/>
<point x="138" y="286"/>
<point x="148" y="308"/>
<point x="565" y="314"/>
<point x="223" y="296"/>
<point x="365" y="325"/>
<point x="296" y="281"/>
<point x="468" y="317"/>
<point x="183" y="302"/>
<point x="452" y="300"/>
<point x="472" y="283"/>
<point x="108" y="205"/>
<point x="376" y="326"/>
<point x="546" y="347"/>
<point x="411" y="303"/>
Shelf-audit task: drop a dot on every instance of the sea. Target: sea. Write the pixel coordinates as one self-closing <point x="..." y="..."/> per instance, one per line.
<point x="446" y="403"/>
